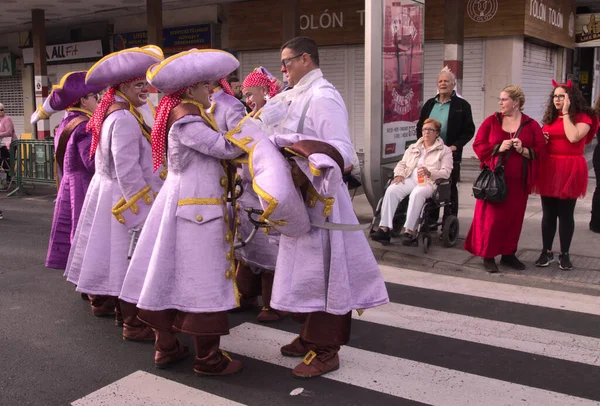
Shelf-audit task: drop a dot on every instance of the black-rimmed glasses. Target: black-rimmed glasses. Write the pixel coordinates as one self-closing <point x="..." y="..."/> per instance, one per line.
<point x="285" y="62"/>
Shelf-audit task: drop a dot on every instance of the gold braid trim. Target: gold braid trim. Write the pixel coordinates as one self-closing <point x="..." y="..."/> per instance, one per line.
<point x="232" y="229"/>
<point x="207" y="116"/>
<point x="123" y="205"/>
<point x="80" y="110"/>
<point x="200" y="201"/>
<point x="43" y="114"/>
<point x="314" y="196"/>
<point x="138" y="116"/>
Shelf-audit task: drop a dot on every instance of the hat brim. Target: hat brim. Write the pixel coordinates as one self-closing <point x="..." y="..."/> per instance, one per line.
<point x="124" y="65"/>
<point x="190" y="67"/>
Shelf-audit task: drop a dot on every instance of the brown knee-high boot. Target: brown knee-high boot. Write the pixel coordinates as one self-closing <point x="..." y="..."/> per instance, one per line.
<point x="102" y="306"/>
<point x="268" y="314"/>
<point x="168" y="349"/>
<point x="325" y="333"/>
<point x="133" y="328"/>
<point x="210" y="360"/>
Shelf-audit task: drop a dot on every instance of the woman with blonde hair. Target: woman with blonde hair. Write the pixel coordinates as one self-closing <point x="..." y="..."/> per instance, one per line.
<point x="515" y="138"/>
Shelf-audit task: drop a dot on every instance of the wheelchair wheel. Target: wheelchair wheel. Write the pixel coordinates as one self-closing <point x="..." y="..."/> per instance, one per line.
<point x="426" y="242"/>
<point x="450" y="233"/>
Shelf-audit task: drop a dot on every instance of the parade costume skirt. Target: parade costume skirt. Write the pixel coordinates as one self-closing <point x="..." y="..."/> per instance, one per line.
<point x="562" y="176"/>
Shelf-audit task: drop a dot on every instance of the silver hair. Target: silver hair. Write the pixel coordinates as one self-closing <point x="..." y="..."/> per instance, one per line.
<point x="449" y="72"/>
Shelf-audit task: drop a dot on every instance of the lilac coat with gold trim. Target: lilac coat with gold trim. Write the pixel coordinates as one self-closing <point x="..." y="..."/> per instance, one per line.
<point x="124" y="183"/>
<point x="184" y="257"/>
<point x="261" y="252"/>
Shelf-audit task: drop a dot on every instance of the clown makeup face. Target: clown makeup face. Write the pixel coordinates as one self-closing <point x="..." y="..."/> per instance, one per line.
<point x="136" y="92"/>
<point x="255" y="97"/>
<point x="200" y="93"/>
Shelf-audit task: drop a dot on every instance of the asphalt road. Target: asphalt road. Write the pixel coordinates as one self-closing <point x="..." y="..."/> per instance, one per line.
<point x="443" y="340"/>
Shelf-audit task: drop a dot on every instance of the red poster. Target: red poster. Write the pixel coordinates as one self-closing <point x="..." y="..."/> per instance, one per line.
<point x="402" y="74"/>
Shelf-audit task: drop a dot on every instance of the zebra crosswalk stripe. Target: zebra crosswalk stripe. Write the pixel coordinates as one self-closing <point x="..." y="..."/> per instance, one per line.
<point x="555" y="344"/>
<point x="397" y="376"/>
<point x="493" y="290"/>
<point x="143" y="389"/>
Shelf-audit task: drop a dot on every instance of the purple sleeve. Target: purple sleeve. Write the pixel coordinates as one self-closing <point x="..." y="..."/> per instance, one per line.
<point x="83" y="141"/>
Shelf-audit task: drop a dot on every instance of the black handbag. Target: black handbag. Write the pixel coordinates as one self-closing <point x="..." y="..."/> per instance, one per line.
<point x="490" y="185"/>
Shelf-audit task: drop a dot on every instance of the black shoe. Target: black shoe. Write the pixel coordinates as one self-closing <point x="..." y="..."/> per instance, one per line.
<point x="408" y="239"/>
<point x="564" y="262"/>
<point x="592" y="228"/>
<point x="546" y="257"/>
<point x="513" y="262"/>
<point x="381" y="236"/>
<point x="490" y="265"/>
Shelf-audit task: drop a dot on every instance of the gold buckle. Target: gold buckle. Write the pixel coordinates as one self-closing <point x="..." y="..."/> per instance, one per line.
<point x="226" y="355"/>
<point x="308" y="358"/>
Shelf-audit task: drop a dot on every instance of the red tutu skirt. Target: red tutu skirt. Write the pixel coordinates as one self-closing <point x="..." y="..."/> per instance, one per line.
<point x="562" y="176"/>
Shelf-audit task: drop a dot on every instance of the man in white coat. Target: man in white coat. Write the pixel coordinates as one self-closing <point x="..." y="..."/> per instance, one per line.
<point x="324" y="274"/>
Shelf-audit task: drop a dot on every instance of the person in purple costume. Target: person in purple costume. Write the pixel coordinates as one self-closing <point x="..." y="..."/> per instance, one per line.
<point x="72" y="151"/>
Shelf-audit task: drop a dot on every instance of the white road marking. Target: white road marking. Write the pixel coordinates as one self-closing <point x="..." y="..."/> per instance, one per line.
<point x="396" y="376"/>
<point x="144" y="389"/>
<point x="533" y="340"/>
<point x="493" y="290"/>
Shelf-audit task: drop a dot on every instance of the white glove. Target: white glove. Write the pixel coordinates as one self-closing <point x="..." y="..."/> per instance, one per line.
<point x="272" y="113"/>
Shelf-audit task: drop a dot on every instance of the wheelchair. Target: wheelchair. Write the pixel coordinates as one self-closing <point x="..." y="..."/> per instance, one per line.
<point x="429" y="220"/>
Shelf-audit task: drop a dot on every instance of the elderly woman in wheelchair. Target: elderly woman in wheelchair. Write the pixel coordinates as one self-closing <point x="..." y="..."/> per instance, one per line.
<point x="424" y="162"/>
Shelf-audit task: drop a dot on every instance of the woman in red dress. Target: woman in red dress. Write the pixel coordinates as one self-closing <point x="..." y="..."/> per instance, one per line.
<point x="496" y="227"/>
<point x="568" y="125"/>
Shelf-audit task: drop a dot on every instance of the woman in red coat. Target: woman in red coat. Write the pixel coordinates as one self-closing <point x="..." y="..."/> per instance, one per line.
<point x="569" y="124"/>
<point x="496" y="227"/>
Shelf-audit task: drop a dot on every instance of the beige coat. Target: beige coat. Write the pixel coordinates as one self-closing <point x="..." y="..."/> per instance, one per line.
<point x="438" y="161"/>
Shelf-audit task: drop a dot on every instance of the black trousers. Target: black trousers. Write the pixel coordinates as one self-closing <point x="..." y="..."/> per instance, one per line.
<point x="595" y="221"/>
<point x="561" y="210"/>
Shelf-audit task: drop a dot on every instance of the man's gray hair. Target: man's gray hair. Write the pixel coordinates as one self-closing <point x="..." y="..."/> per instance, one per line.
<point x="447" y="70"/>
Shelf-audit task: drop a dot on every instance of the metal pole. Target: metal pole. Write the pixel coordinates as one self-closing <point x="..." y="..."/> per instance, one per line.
<point x="372" y="181"/>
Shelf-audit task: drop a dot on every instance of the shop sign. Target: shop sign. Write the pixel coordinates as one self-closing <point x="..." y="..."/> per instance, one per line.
<point x="175" y="39"/>
<point x="7" y="64"/>
<point x="551" y="20"/>
<point x="587" y="30"/>
<point x="70" y="51"/>
<point x="402" y="75"/>
<point x="328" y="22"/>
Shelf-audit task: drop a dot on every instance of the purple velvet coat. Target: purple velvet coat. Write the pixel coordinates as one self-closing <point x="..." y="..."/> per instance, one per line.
<point x="78" y="170"/>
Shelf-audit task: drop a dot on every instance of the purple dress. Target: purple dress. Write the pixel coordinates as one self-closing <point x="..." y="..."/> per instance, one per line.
<point x="78" y="170"/>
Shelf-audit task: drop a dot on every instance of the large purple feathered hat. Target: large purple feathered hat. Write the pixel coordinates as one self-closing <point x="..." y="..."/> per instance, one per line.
<point x="71" y="88"/>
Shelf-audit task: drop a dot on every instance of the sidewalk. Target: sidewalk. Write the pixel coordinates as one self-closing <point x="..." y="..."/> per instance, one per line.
<point x="585" y="249"/>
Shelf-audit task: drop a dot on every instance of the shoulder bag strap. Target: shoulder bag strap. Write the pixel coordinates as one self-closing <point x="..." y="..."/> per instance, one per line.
<point x="506" y="155"/>
<point x="65" y="136"/>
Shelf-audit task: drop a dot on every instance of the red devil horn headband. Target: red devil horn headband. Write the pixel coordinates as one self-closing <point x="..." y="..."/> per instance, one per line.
<point x="569" y="84"/>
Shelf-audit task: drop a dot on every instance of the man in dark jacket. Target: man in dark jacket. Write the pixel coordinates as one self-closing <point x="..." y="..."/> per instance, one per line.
<point x="458" y="128"/>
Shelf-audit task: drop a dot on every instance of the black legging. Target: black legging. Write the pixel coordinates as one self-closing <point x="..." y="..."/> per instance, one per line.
<point x="558" y="209"/>
<point x="595" y="221"/>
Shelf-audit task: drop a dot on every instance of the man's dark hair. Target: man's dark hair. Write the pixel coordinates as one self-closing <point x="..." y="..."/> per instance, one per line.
<point x="301" y="45"/>
<point x="232" y="79"/>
